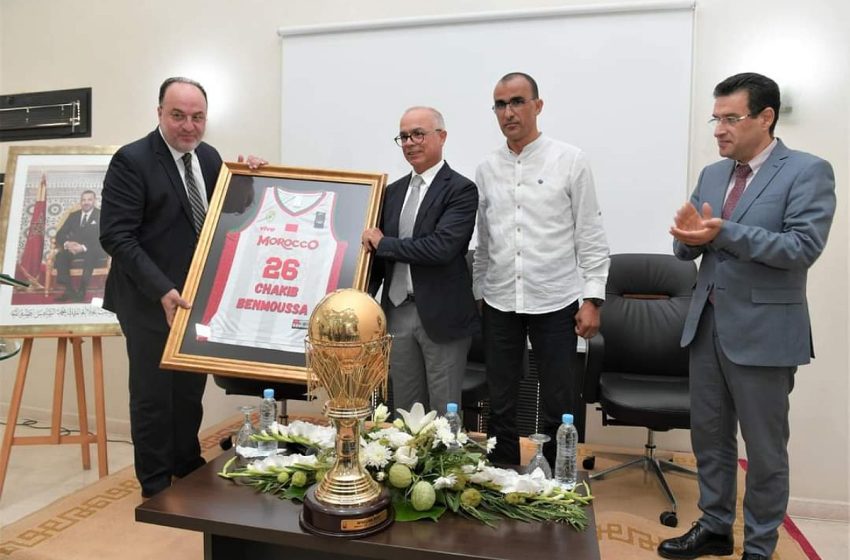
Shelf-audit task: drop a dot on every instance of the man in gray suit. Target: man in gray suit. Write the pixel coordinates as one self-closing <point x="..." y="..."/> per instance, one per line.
<point x="748" y="326"/>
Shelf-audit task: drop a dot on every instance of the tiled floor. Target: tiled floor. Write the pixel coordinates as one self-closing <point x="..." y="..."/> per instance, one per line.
<point x="39" y="475"/>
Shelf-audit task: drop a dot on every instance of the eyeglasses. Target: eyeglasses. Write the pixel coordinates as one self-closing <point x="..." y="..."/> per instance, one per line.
<point x="514" y="102"/>
<point x="417" y="136"/>
<point x="180" y="116"/>
<point x="728" y="121"/>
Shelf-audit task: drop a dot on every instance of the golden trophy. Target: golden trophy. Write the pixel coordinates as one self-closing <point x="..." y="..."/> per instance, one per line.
<point x="347" y="350"/>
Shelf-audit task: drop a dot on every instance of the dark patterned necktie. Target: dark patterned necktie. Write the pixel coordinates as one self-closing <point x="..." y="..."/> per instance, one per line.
<point x="195" y="200"/>
<point x="398" y="286"/>
<point x="741" y="174"/>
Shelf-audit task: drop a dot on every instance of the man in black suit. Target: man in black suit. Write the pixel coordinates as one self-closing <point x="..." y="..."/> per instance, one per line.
<point x="77" y="239"/>
<point x="155" y="195"/>
<point x="420" y="249"/>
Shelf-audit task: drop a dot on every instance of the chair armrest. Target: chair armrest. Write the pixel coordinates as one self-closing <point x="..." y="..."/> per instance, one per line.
<point x="593" y="358"/>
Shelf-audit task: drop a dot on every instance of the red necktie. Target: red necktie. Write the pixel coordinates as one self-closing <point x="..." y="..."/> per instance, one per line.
<point x="741" y="174"/>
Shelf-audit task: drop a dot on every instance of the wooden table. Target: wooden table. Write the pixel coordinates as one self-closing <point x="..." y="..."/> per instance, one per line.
<point x="237" y="522"/>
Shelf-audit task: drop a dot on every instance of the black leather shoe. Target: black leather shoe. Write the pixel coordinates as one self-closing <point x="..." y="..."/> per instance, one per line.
<point x="695" y="543"/>
<point x="754" y="556"/>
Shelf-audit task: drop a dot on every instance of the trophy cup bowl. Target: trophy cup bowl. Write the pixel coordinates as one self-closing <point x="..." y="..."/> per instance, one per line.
<point x="347" y="351"/>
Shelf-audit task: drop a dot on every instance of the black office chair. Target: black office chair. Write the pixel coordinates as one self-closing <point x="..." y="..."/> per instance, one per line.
<point x="636" y="370"/>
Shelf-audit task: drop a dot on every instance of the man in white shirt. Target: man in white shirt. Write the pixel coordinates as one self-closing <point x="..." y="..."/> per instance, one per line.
<point x="541" y="247"/>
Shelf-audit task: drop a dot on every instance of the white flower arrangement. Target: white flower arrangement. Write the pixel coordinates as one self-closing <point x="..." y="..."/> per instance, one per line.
<point x="428" y="469"/>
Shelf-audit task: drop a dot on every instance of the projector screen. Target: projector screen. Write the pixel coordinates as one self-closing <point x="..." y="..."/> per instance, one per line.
<point x="615" y="82"/>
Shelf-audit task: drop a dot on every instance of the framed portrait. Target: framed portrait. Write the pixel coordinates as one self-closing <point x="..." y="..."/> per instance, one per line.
<point x="276" y="240"/>
<point x="49" y="239"/>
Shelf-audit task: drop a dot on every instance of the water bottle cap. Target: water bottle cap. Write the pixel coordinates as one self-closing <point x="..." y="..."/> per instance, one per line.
<point x="567" y="418"/>
<point x="451" y="407"/>
<point x="268" y="393"/>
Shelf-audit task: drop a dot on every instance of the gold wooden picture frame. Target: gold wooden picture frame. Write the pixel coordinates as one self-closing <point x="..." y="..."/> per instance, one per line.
<point x="275" y="241"/>
<point x="42" y="198"/>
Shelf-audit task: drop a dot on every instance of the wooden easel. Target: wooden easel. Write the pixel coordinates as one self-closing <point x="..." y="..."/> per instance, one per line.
<point x="55" y="437"/>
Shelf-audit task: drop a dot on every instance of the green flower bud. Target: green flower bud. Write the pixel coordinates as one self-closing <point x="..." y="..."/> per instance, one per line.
<point x="423" y="496"/>
<point x="515" y="499"/>
<point x="283" y="477"/>
<point x="470" y="498"/>
<point x="299" y="479"/>
<point x="400" y="476"/>
<point x="460" y="482"/>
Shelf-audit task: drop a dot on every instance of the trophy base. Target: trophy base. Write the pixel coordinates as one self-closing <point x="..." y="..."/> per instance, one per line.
<point x="346" y="521"/>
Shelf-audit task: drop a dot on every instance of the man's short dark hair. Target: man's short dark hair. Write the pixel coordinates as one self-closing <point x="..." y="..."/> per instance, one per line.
<point x="179" y="80"/>
<point x="89" y="191"/>
<point x="535" y="93"/>
<point x="762" y="93"/>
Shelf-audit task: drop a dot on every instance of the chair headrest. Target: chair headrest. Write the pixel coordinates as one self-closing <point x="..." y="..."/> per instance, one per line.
<point x="650" y="275"/>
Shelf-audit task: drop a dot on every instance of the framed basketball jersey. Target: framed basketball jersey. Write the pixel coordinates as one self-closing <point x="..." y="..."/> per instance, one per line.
<point x="276" y="240"/>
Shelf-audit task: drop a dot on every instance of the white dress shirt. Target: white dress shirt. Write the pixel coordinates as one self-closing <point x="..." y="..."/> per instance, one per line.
<point x="541" y="244"/>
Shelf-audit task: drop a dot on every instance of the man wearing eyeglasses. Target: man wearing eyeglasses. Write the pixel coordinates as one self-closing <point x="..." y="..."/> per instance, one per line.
<point x="759" y="219"/>
<point x="154" y="200"/>
<point x="541" y="248"/>
<point x="420" y="256"/>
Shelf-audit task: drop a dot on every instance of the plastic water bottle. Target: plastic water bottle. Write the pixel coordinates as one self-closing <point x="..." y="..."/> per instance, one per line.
<point x="268" y="416"/>
<point x="454" y="424"/>
<point x="565" y="458"/>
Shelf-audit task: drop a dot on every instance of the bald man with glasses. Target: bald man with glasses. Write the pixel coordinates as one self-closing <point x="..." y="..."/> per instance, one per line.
<point x="420" y="257"/>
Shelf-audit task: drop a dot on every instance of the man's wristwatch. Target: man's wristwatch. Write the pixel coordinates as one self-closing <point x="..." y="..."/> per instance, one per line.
<point x="595" y="301"/>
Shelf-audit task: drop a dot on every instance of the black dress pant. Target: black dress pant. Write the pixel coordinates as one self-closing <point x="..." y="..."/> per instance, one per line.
<point x="165" y="413"/>
<point x="63" y="262"/>
<point x="553" y="340"/>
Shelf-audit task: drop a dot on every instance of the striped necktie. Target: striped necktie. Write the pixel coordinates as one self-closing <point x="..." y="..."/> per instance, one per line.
<point x="195" y="201"/>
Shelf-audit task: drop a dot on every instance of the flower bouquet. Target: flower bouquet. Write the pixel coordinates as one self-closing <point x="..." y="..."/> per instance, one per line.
<point x="428" y="469"/>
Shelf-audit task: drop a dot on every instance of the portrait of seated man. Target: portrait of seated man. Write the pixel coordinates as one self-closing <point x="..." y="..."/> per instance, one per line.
<point x="78" y="246"/>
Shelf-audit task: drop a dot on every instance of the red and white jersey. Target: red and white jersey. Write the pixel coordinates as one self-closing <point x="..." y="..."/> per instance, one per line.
<point x="274" y="271"/>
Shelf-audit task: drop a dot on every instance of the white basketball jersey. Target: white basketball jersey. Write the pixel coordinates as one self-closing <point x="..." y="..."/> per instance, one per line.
<point x="274" y="271"/>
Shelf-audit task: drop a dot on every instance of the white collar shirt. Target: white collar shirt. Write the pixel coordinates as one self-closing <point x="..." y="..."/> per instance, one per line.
<point x="196" y="171"/>
<point x="541" y="242"/>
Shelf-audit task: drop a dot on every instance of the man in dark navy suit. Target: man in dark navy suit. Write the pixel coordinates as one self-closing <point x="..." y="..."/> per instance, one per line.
<point x="420" y="249"/>
<point x="77" y="240"/>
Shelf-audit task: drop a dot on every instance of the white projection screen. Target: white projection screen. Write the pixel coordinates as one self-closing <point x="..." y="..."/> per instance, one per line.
<point x="615" y="81"/>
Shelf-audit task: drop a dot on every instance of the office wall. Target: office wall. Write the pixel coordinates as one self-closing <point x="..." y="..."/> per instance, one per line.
<point x="123" y="50"/>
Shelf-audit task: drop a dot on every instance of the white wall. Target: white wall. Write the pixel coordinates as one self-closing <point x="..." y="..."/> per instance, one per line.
<point x="123" y="49"/>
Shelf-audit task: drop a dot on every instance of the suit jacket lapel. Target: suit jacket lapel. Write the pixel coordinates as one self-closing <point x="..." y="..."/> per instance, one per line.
<point x="394" y="204"/>
<point x="434" y="189"/>
<point x="208" y="171"/>
<point x="765" y="175"/>
<point x="163" y="154"/>
<point x="717" y="197"/>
